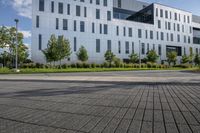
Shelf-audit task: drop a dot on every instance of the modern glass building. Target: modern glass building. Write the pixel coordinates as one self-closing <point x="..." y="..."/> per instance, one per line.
<point x="122" y="26"/>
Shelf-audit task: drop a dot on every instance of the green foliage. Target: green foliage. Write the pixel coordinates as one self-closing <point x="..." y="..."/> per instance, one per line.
<point x="118" y="62"/>
<point x="152" y="56"/>
<point x="185" y="59"/>
<point x="57" y="49"/>
<point x="8" y="40"/>
<point x="63" y="48"/>
<point x="109" y="57"/>
<point x="197" y="60"/>
<point x="134" y="58"/>
<point x="171" y="57"/>
<point x="82" y="54"/>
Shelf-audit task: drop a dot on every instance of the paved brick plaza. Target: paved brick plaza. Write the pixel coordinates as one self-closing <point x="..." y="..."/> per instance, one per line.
<point x="99" y="107"/>
<point x="120" y="102"/>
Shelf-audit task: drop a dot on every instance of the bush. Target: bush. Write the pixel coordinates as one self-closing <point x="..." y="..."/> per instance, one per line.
<point x="106" y="64"/>
<point x="73" y="65"/>
<point x="93" y="65"/>
<point x="184" y="66"/>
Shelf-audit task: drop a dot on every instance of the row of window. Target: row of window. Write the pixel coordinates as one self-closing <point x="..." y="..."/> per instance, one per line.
<point x="61" y="7"/>
<point x="129" y="46"/>
<point x="176" y="27"/>
<point x="168" y="15"/>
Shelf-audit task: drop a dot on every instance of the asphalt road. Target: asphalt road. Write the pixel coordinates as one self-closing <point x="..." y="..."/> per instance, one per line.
<point x="95" y="106"/>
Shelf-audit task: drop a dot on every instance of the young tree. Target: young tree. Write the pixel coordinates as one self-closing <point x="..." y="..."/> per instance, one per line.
<point x="82" y="54"/>
<point x="51" y="52"/>
<point x="134" y="58"/>
<point x="171" y="57"/>
<point x="197" y="60"/>
<point x="63" y="47"/>
<point x="185" y="59"/>
<point x="109" y="57"/>
<point x="152" y="56"/>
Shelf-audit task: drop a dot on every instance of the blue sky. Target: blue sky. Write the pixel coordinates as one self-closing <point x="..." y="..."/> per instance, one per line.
<point x="21" y="9"/>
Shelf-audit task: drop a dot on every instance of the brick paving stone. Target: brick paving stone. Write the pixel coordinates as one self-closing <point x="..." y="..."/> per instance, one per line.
<point x="159" y="127"/>
<point x="101" y="107"/>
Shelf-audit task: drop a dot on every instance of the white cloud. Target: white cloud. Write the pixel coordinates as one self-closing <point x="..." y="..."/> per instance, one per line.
<point x="22" y="7"/>
<point x="27" y="34"/>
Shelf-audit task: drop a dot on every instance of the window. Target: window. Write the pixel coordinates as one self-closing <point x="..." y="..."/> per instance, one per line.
<point x="146" y="32"/>
<point x="57" y="23"/>
<point x="105" y="27"/>
<point x="139" y="33"/>
<point x="75" y="44"/>
<point x="100" y="28"/>
<point x="159" y="50"/>
<point x="40" y="42"/>
<point x="68" y="9"/>
<point x="148" y="49"/>
<point x="85" y="11"/>
<point x="178" y="27"/>
<point x="117" y="30"/>
<point x="169" y="26"/>
<point x="124" y="31"/>
<point x="82" y="26"/>
<point x="167" y="36"/>
<point x="178" y="38"/>
<point x="189" y="41"/>
<point x="119" y="47"/>
<point x="78" y="11"/>
<point x="108" y="15"/>
<point x="90" y="1"/>
<point x="37" y="21"/>
<point x="98" y="46"/>
<point x="41" y="5"/>
<point x="143" y="48"/>
<point x="174" y="27"/>
<point x="166" y="25"/>
<point x="159" y="24"/>
<point x="105" y="2"/>
<point x="130" y="32"/>
<point x="74" y="25"/>
<point x="97" y="13"/>
<point x="119" y="3"/>
<point x="60" y="8"/>
<point x="188" y="18"/>
<point x="52" y="6"/>
<point x="162" y="35"/>
<point x="175" y="16"/>
<point x="161" y="13"/>
<point x="109" y="47"/>
<point x="154" y="48"/>
<point x="157" y="35"/>
<point x="166" y="14"/>
<point x="133" y="48"/>
<point x="127" y="47"/>
<point x="151" y="34"/>
<point x="65" y="24"/>
<point x="156" y="12"/>
<point x="172" y="37"/>
<point x="97" y="2"/>
<point x="93" y="28"/>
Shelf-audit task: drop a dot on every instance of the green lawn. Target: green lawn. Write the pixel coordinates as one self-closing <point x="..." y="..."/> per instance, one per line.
<point x="68" y="70"/>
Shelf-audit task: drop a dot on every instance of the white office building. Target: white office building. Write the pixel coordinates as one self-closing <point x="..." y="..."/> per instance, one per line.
<point x="122" y="26"/>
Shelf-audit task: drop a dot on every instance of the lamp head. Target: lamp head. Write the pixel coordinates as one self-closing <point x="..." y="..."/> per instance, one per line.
<point x="16" y="20"/>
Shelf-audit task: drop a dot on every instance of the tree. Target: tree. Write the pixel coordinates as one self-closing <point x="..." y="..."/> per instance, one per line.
<point x="197" y="60"/>
<point x="82" y="54"/>
<point x="63" y="47"/>
<point x="134" y="58"/>
<point x="171" y="57"/>
<point x="4" y="36"/>
<point x="185" y="59"/>
<point x="51" y="52"/>
<point x="109" y="57"/>
<point x="6" y="58"/>
<point x="152" y="56"/>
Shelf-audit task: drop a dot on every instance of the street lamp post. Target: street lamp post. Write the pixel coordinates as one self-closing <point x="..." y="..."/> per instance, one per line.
<point x="16" y="46"/>
<point x="139" y="54"/>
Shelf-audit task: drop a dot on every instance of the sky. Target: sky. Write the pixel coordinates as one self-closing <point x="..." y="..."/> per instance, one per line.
<point x="21" y="9"/>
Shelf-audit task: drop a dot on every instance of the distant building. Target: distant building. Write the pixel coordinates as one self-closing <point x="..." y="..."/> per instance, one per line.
<point x="122" y="26"/>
